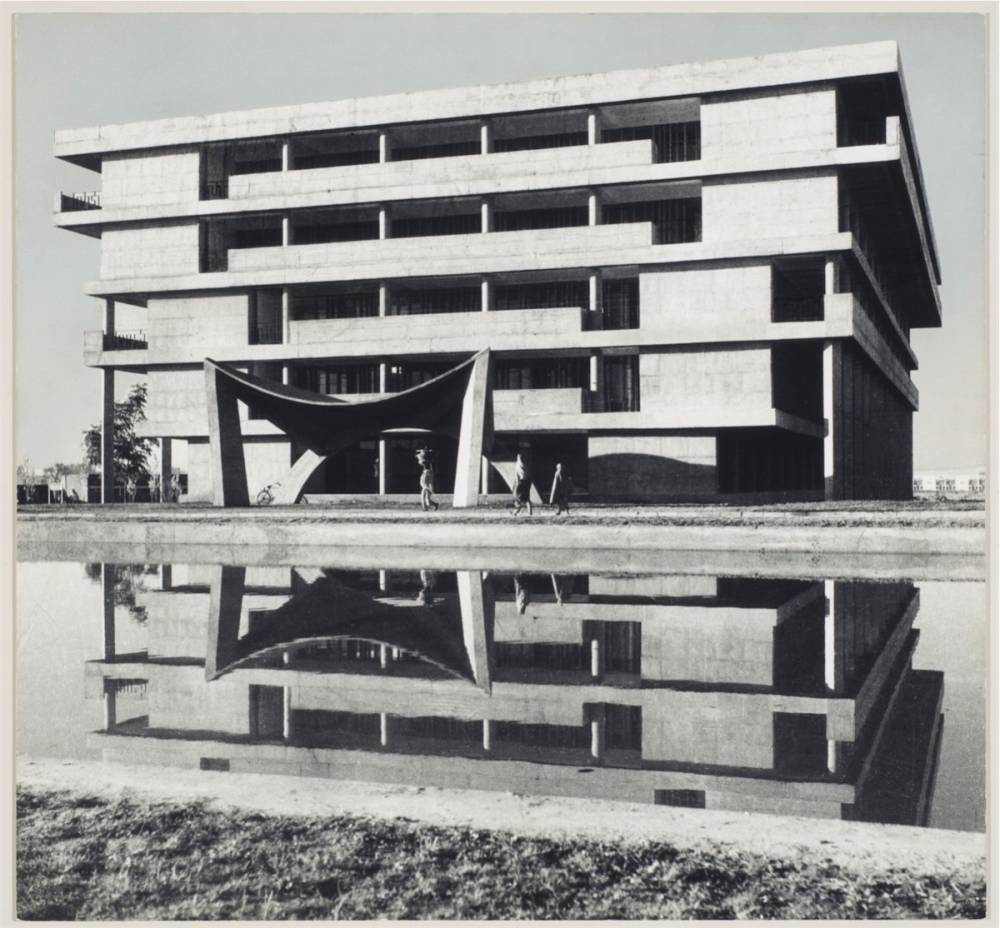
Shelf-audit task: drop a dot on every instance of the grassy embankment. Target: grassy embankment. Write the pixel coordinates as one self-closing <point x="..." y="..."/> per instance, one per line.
<point x="88" y="858"/>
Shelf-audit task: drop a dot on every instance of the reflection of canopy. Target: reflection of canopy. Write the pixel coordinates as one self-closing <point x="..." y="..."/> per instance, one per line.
<point x="457" y="403"/>
<point x="452" y="639"/>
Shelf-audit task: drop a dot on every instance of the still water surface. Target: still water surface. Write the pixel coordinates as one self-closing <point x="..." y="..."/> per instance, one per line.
<point x="852" y="699"/>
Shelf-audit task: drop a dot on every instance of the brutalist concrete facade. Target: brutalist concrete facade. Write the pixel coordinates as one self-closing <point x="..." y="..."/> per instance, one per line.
<point x="698" y="280"/>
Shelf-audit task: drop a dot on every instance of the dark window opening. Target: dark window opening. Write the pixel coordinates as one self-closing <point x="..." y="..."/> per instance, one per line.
<point x="768" y="460"/>
<point x="404" y="301"/>
<point x="532" y="142"/>
<point x="546" y="295"/>
<point x="674" y="221"/>
<point x="552" y="218"/>
<point x="319" y="305"/>
<point x="464" y="224"/>
<point x="621" y="383"/>
<point x="440" y="150"/>
<point x="797" y="378"/>
<point x="541" y="374"/>
<point x="797" y="290"/>
<point x="621" y="303"/>
<point x="678" y="141"/>
<point x="265" y="327"/>
<point x="862" y="109"/>
<point x="347" y="378"/>
<point x="318" y="233"/>
<point x="800" y="744"/>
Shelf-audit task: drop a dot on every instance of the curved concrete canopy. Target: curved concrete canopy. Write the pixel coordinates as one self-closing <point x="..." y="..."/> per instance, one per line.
<point x="456" y="403"/>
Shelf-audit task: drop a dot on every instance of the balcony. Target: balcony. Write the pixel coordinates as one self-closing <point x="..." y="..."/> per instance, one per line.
<point x="96" y="342"/>
<point x="125" y="341"/>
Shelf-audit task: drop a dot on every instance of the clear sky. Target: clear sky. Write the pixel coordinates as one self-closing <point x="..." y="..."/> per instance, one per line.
<point x="84" y="69"/>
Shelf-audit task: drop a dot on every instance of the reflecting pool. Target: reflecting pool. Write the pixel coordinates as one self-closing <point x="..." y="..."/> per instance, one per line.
<point x="842" y="698"/>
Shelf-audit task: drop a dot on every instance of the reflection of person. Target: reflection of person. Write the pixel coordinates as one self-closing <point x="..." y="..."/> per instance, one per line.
<point x="428" y="580"/>
<point x="562" y="487"/>
<point x="522" y="486"/>
<point x="520" y="595"/>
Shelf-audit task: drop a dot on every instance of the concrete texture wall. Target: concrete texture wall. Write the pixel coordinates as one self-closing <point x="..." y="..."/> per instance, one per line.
<point x="151" y="250"/>
<point x="721" y="645"/>
<point x="199" y="472"/>
<point x="705" y="300"/>
<point x="771" y="123"/>
<point x="266" y="460"/>
<point x="176" y="404"/>
<point x="178" y="695"/>
<point x="199" y="325"/>
<point x="729" y="729"/>
<point x="142" y="179"/>
<point x="737" y="210"/>
<point x="652" y="467"/>
<point x="707" y="378"/>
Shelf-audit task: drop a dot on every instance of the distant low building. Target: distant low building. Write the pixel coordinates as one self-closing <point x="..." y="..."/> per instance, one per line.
<point x="950" y="482"/>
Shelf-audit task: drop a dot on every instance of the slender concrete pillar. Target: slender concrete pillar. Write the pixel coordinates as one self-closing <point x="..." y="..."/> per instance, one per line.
<point x="830" y="664"/>
<point x="383" y="443"/>
<point x="596" y="381"/>
<point x="384" y="147"/>
<point x="108" y="435"/>
<point x="485" y="137"/>
<point x="383" y="298"/>
<point x="830" y="276"/>
<point x="595" y="295"/>
<point x="598" y="734"/>
<point x="286" y="374"/>
<point x="384" y="223"/>
<point x="832" y="478"/>
<point x="831" y="755"/>
<point x="383" y="656"/>
<point x="596" y="659"/>
<point x="287" y="726"/>
<point x="484" y="476"/>
<point x="110" y="705"/>
<point x="109" y="317"/>
<point x="383" y="729"/>
<point x="594" y="208"/>
<point x="593" y="127"/>
<point x="384" y="581"/>
<point x="486" y="215"/>
<point x="286" y="230"/>
<point x="287" y="656"/>
<point x="108" y="592"/>
<point x="286" y="316"/>
<point x="487" y="735"/>
<point x="487" y="292"/>
<point x="166" y="466"/>
<point x="286" y="154"/>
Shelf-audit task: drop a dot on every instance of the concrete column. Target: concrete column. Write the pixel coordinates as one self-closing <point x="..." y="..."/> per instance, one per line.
<point x="287" y="656"/>
<point x="485" y="137"/>
<point x="286" y="154"/>
<point x="108" y="591"/>
<point x="383" y="298"/>
<point x="596" y="659"/>
<point x="830" y="276"/>
<point x="286" y="316"/>
<point x="109" y="317"/>
<point x="487" y="735"/>
<point x="594" y="202"/>
<point x="286" y="230"/>
<point x="831" y="755"/>
<point x="166" y="576"/>
<point x="830" y="636"/>
<point x="383" y="729"/>
<point x="166" y="465"/>
<point x="595" y="294"/>
<point x="486" y="289"/>
<point x="108" y="435"/>
<point x="831" y="440"/>
<point x="593" y="127"/>
<point x="286" y="374"/>
<point x="384" y="223"/>
<point x="596" y="381"/>
<point x="110" y="705"/>
<point x="484" y="478"/>
<point x="384" y="147"/>
<point x="383" y="443"/>
<point x="385" y="582"/>
<point x="486" y="214"/>
<point x="287" y="728"/>
<point x="598" y="734"/>
<point x="383" y="656"/>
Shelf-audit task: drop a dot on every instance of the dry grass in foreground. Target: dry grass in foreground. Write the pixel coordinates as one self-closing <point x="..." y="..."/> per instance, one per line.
<point x="80" y="857"/>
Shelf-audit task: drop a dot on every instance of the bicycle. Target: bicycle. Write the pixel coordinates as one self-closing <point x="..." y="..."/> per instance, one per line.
<point x="265" y="497"/>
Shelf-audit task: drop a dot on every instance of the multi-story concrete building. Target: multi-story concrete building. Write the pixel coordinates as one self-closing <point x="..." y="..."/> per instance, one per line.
<point x="698" y="281"/>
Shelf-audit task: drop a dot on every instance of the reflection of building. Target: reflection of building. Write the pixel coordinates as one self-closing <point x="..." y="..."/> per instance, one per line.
<point x="783" y="696"/>
<point x="698" y="280"/>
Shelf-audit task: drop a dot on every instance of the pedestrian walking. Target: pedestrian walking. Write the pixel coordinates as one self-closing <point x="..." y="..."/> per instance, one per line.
<point x="562" y="488"/>
<point x="427" y="489"/>
<point x="522" y="486"/>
